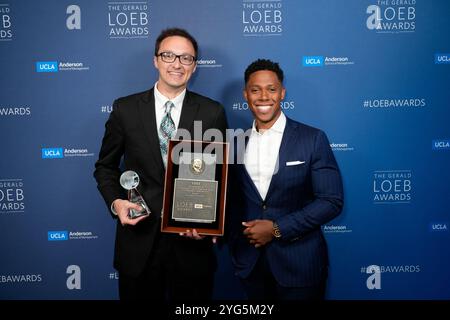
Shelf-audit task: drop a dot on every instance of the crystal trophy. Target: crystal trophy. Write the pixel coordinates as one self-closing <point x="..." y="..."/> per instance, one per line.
<point x="129" y="180"/>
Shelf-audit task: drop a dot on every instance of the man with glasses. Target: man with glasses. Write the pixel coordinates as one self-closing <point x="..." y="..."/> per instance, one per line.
<point x="154" y="265"/>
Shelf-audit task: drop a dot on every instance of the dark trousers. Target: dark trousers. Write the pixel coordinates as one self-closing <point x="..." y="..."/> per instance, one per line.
<point x="169" y="276"/>
<point x="261" y="285"/>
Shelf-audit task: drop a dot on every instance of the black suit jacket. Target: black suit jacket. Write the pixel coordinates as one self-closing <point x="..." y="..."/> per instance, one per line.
<point x="131" y="132"/>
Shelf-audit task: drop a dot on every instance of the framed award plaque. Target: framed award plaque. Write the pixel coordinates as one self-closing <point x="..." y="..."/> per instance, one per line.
<point x="195" y="187"/>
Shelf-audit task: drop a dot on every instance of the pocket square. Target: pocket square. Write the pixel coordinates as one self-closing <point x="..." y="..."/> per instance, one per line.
<point x="294" y="163"/>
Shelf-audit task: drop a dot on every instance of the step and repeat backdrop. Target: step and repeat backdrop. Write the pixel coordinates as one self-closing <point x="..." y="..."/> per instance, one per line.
<point x="373" y="74"/>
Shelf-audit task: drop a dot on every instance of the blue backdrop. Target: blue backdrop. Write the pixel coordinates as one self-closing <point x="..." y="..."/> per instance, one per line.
<point x="371" y="73"/>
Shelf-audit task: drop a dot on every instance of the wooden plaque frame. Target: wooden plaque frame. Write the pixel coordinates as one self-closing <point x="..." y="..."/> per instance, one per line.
<point x="220" y="149"/>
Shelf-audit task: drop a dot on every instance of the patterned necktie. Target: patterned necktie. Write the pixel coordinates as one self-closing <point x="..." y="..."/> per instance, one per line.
<point x="166" y="130"/>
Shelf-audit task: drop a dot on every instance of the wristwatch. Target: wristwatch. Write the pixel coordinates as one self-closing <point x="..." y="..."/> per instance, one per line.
<point x="276" y="230"/>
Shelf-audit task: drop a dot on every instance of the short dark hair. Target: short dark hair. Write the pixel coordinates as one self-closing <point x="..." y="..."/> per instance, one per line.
<point x="171" y="32"/>
<point x="263" y="64"/>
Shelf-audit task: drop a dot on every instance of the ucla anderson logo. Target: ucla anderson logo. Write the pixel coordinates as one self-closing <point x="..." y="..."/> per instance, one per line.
<point x="70" y="235"/>
<point x="312" y="61"/>
<point x="441" y="226"/>
<point x="52" y="153"/>
<point x="57" y="235"/>
<point x="442" y="58"/>
<point x="47" y="66"/>
<point x="320" y="61"/>
<point x="443" y="144"/>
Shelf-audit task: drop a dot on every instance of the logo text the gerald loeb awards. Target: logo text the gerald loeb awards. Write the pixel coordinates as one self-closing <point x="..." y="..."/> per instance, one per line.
<point x="392" y="16"/>
<point x="262" y="17"/>
<point x="6" y="32"/>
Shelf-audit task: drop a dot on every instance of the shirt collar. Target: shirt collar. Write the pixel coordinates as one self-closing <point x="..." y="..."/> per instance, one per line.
<point x="278" y="126"/>
<point x="162" y="99"/>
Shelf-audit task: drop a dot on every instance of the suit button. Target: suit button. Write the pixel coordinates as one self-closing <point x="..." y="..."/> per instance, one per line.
<point x="264" y="207"/>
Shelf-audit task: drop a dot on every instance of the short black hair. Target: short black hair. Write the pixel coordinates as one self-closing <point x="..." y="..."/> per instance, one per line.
<point x="263" y="64"/>
<point x="171" y="32"/>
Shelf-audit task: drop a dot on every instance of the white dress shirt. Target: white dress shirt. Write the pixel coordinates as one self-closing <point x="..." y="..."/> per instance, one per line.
<point x="160" y="109"/>
<point x="261" y="154"/>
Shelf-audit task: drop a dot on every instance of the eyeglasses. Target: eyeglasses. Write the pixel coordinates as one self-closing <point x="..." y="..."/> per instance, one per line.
<point x="170" y="57"/>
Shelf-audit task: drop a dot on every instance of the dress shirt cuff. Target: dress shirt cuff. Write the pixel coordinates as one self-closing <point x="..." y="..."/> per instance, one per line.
<point x="112" y="208"/>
